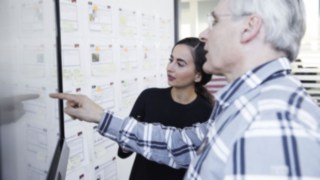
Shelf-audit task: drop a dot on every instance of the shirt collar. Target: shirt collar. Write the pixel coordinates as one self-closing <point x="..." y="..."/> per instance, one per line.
<point x="251" y="80"/>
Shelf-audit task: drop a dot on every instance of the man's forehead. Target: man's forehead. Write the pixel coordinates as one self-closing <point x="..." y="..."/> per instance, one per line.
<point x="221" y="6"/>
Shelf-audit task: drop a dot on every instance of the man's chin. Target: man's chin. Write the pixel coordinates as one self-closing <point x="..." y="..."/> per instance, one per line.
<point x="212" y="71"/>
<point x="207" y="70"/>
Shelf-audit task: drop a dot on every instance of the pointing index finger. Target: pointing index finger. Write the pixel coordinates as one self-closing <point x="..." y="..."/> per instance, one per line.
<point x="25" y="97"/>
<point x="64" y="96"/>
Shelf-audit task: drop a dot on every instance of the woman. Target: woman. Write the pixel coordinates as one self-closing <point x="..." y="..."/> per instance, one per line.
<point x="179" y="105"/>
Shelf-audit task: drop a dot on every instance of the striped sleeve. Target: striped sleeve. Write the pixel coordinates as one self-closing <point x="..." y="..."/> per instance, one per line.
<point x="166" y="145"/>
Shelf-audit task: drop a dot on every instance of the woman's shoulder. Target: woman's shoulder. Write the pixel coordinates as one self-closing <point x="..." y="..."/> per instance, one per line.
<point x="201" y="101"/>
<point x="155" y="91"/>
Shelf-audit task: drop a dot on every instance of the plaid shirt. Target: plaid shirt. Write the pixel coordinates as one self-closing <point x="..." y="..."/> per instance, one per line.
<point x="264" y="126"/>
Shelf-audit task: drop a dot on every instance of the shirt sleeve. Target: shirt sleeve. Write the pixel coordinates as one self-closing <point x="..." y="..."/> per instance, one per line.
<point x="138" y="112"/>
<point x="123" y="153"/>
<point x="166" y="145"/>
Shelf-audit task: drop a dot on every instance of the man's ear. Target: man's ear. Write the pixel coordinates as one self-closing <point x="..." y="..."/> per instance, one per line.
<point x="251" y="28"/>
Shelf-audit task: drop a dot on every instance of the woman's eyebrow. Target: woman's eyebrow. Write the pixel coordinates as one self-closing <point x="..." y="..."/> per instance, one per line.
<point x="181" y="60"/>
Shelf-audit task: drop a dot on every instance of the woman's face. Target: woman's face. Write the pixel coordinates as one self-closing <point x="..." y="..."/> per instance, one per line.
<point x="181" y="68"/>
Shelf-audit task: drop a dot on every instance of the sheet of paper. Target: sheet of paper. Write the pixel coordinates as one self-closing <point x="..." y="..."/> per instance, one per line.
<point x="127" y="20"/>
<point x="107" y="170"/>
<point x="100" y="17"/>
<point x="104" y="95"/>
<point x="69" y="15"/>
<point x="102" y="59"/>
<point x="33" y="16"/>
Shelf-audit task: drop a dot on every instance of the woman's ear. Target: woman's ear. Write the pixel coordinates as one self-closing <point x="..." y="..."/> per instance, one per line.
<point x="251" y="28"/>
<point x="197" y="78"/>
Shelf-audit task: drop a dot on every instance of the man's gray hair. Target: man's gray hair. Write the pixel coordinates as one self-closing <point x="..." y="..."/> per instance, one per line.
<point x="283" y="21"/>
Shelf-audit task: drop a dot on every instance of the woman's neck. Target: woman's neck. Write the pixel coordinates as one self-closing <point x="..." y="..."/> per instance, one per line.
<point x="183" y="95"/>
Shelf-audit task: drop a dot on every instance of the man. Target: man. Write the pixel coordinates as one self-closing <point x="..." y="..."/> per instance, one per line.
<point x="264" y="125"/>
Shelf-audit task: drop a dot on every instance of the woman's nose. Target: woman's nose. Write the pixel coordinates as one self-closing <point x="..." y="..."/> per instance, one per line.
<point x="170" y="66"/>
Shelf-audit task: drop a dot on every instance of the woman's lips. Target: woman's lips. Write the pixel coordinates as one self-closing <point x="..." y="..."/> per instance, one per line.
<point x="171" y="78"/>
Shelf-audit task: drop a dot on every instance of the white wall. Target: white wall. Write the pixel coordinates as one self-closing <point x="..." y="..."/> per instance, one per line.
<point x="111" y="58"/>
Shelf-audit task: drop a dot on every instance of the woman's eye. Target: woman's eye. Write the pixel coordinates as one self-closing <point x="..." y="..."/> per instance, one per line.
<point x="181" y="64"/>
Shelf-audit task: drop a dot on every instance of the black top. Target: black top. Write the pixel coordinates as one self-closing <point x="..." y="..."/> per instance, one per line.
<point x="157" y="106"/>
